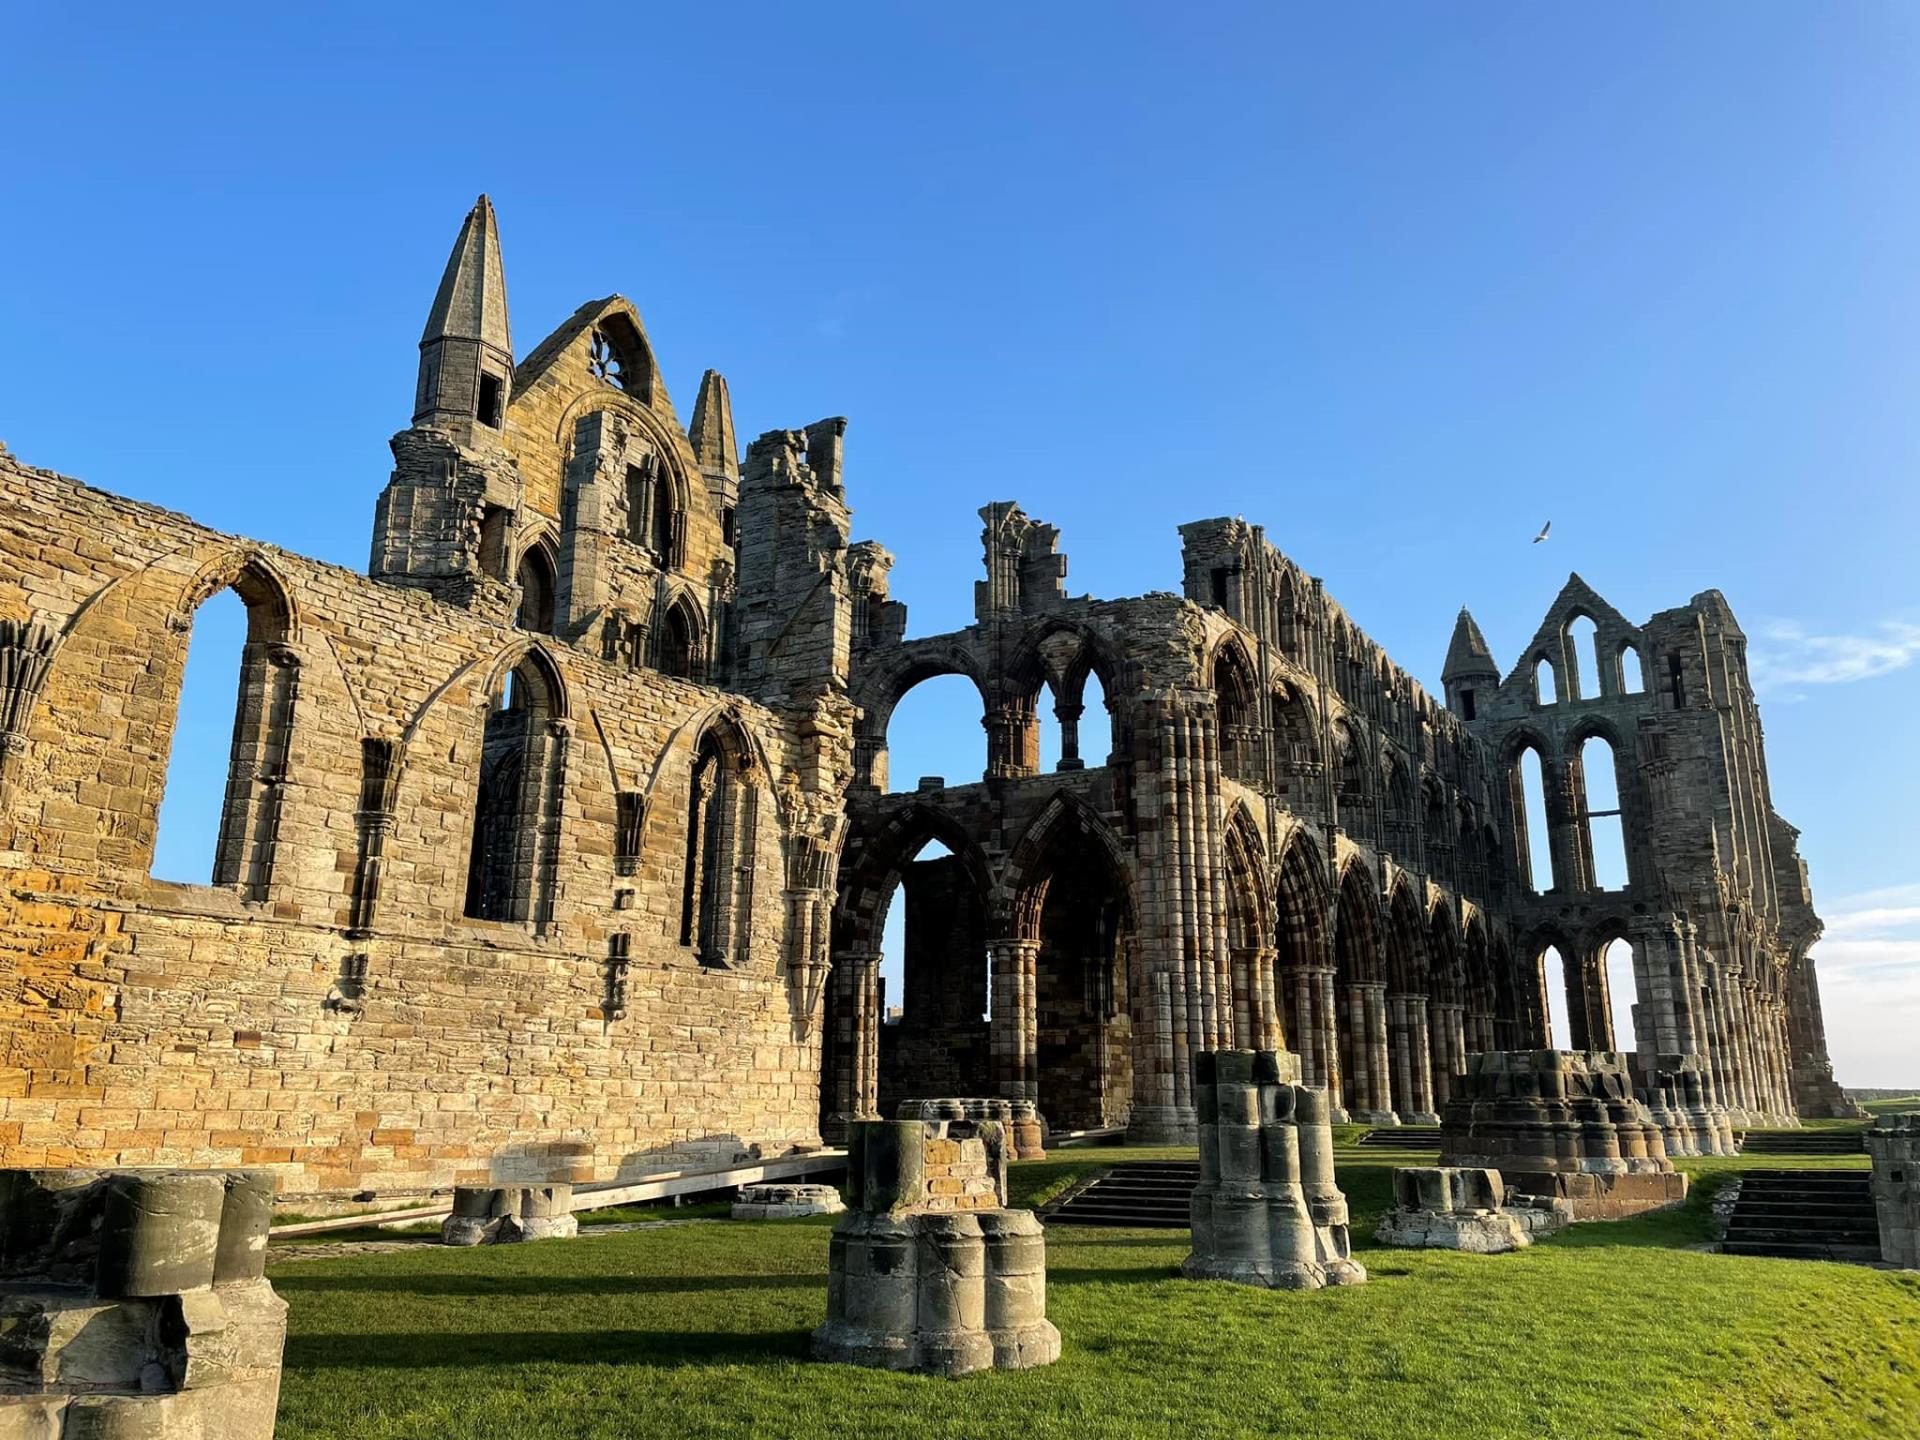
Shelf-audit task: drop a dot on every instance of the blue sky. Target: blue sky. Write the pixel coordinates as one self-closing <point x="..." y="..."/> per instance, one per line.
<point x="1398" y="281"/>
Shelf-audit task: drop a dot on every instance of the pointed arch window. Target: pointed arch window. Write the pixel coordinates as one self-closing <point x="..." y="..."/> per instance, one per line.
<point x="1632" y="682"/>
<point x="512" y="860"/>
<point x="1583" y="657"/>
<point x="666" y="528"/>
<point x="1237" y="715"/>
<point x="681" y="654"/>
<point x="261" y="733"/>
<point x="1544" y="692"/>
<point x="1602" y="813"/>
<point x="723" y="811"/>
<point x="1533" y="852"/>
<point x="538" y="586"/>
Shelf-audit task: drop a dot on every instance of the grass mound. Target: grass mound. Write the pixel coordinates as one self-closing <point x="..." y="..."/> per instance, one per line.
<point x="701" y="1330"/>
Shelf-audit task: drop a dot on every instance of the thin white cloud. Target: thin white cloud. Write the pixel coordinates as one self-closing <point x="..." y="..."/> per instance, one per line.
<point x="1869" y="967"/>
<point x="1786" y="655"/>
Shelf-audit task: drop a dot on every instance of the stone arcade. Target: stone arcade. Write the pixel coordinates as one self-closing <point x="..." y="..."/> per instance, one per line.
<point x="558" y="846"/>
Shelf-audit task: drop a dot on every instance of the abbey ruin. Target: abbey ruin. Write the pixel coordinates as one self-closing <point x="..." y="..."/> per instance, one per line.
<point x="557" y="847"/>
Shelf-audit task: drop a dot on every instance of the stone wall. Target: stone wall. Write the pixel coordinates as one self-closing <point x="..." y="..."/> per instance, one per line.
<point x="184" y="1025"/>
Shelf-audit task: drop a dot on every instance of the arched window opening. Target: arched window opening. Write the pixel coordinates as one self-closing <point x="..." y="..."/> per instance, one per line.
<point x="723" y="816"/>
<point x="680" y="649"/>
<point x="1544" y="691"/>
<point x="1583" y="649"/>
<point x="1632" y="682"/>
<point x="1535" y="848"/>
<point x="1237" y="715"/>
<point x="1606" y="838"/>
<point x="893" y="942"/>
<point x="511" y="861"/>
<point x="1095" y="727"/>
<point x="226" y="775"/>
<point x="1354" y="789"/>
<point x="666" y="527"/>
<point x="1360" y="1000"/>
<point x="935" y="731"/>
<point x="496" y="522"/>
<point x="1046" y="719"/>
<point x="1554" y="993"/>
<point x="1622" y="994"/>
<point x="537" y="586"/>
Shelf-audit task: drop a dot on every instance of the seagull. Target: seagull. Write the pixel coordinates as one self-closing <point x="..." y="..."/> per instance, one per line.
<point x="1543" y="532"/>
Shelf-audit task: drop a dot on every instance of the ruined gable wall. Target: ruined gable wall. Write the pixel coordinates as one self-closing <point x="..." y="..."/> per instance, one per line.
<point x="160" y="1024"/>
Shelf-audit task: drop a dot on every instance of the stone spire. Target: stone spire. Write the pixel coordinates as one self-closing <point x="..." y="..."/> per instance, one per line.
<point x="713" y="447"/>
<point x="466" y="351"/>
<point x="472" y="300"/>
<point x="1469" y="668"/>
<point x="1468" y="654"/>
<point x="712" y="429"/>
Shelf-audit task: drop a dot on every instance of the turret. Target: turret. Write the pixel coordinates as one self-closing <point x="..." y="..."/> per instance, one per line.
<point x="446" y="520"/>
<point x="1470" y="669"/>
<point x="466" y="351"/>
<point x="715" y="448"/>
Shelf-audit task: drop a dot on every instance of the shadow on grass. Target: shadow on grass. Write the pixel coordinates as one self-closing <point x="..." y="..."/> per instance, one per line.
<point x="295" y="1282"/>
<point x="413" y="1350"/>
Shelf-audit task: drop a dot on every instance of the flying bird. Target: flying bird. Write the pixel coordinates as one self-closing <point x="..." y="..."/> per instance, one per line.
<point x="1543" y="532"/>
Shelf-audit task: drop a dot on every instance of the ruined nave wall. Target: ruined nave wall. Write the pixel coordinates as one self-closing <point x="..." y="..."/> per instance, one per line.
<point x="391" y="1047"/>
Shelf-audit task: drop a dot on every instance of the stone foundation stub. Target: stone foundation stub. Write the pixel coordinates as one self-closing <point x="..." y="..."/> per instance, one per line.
<point x="136" y="1304"/>
<point x="1022" y="1119"/>
<point x="1894" y="1144"/>
<point x="1440" y="1207"/>
<point x="1562" y="1125"/>
<point x="509" y="1214"/>
<point x="784" y="1202"/>
<point x="928" y="1271"/>
<point x="1266" y="1210"/>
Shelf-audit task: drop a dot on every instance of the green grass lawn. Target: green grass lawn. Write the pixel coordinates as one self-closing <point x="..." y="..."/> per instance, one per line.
<point x="700" y="1330"/>
<point x="1899" y="1106"/>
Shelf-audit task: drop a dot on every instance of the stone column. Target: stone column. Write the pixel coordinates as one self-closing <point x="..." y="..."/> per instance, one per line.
<point x="1014" y="1029"/>
<point x="1816" y="1094"/>
<point x="1013" y="740"/>
<point x="856" y="1043"/>
<point x="1182" y="890"/>
<point x="1563" y="838"/>
<point x="1069" y="718"/>
<point x="1447" y="1025"/>
<point x="1367" y="1093"/>
<point x="1411" y="1060"/>
<point x="1312" y="990"/>
<point x="1269" y="1033"/>
<point x="1589" y="1023"/>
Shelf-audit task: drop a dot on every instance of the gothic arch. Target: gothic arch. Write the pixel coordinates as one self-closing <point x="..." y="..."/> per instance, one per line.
<point x="271" y="612"/>
<point x="871" y="865"/>
<point x="510" y="658"/>
<point x="1030" y="865"/>
<point x="680" y="636"/>
<point x="1359" y="926"/>
<point x="1407" y="958"/>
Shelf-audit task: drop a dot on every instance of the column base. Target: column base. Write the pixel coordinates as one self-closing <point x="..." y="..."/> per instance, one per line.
<point x="1163" y="1125"/>
<point x="1420" y="1117"/>
<point x="1372" y="1117"/>
<point x="838" y="1127"/>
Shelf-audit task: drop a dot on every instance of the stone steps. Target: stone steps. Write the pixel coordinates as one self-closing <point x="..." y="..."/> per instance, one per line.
<point x="1401" y="1137"/>
<point x="1803" y="1142"/>
<point x="1142" y="1194"/>
<point x="1805" y="1215"/>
